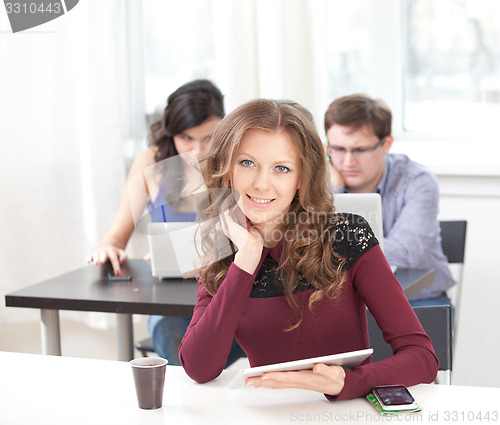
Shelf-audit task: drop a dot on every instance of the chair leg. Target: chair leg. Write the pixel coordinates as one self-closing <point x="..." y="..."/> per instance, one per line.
<point x="447" y="377"/>
<point x="145" y="347"/>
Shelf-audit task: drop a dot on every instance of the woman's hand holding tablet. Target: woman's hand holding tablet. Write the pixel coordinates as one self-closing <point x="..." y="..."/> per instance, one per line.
<point x="345" y="360"/>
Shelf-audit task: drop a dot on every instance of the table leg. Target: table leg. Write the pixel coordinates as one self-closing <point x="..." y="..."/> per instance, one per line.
<point x="125" y="336"/>
<point x="51" y="334"/>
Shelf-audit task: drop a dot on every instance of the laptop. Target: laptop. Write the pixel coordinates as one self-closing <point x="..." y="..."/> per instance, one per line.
<point x="172" y="248"/>
<point x="367" y="205"/>
<point x="176" y="249"/>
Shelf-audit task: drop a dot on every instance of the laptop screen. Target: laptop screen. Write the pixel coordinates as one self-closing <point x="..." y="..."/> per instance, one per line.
<point x="367" y="205"/>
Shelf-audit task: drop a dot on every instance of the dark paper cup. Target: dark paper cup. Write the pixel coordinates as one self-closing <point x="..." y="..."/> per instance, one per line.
<point x="149" y="378"/>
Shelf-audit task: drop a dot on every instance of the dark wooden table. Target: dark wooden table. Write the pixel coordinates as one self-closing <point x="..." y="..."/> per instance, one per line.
<point x="88" y="289"/>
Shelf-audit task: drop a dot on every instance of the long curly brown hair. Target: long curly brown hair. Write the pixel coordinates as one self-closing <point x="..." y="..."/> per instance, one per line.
<point x="308" y="253"/>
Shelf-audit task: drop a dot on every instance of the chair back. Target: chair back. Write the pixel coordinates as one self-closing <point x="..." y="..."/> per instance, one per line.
<point x="453" y="234"/>
<point x="453" y="237"/>
<point x="436" y="321"/>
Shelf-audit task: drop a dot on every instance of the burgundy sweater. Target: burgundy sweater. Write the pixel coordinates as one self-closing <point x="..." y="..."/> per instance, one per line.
<point x="252" y="308"/>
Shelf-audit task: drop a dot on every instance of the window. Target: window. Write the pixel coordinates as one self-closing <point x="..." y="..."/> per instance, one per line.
<point x="435" y="62"/>
<point x="348" y="47"/>
<point x="452" y="72"/>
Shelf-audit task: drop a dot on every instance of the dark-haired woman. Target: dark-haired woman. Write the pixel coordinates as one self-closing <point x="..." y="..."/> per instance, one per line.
<point x="192" y="114"/>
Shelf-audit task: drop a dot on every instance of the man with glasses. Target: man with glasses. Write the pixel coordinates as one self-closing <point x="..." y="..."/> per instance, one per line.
<point x="358" y="129"/>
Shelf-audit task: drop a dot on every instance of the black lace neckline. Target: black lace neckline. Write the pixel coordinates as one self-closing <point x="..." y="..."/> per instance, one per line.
<point x="353" y="238"/>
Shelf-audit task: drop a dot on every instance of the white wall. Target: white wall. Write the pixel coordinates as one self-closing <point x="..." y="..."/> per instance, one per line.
<point x="477" y="200"/>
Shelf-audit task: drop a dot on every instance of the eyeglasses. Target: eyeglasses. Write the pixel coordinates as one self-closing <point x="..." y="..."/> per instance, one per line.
<point x="338" y="152"/>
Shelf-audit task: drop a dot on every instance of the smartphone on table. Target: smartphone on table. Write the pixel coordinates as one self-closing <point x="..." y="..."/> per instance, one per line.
<point x="394" y="397"/>
<point x="124" y="275"/>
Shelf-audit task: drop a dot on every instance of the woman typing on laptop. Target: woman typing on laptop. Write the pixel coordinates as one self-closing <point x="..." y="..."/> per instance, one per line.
<point x="192" y="114"/>
<point x="298" y="285"/>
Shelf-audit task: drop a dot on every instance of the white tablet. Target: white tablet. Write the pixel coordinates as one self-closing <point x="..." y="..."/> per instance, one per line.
<point x="347" y="360"/>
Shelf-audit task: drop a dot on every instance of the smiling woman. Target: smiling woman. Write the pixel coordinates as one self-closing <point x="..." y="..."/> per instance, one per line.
<point x="302" y="277"/>
<point x="266" y="176"/>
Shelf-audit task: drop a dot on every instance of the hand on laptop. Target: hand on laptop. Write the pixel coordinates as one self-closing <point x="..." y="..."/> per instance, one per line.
<point x="107" y="251"/>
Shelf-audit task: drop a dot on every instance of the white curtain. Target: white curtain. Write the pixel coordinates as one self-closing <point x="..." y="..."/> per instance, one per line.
<point x="272" y="48"/>
<point x="63" y="96"/>
<point x="62" y="168"/>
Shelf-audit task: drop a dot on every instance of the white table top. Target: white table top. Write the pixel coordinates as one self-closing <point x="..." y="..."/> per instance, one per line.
<point x="36" y="389"/>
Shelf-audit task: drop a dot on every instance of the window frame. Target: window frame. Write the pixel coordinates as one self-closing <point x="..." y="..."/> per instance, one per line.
<point x="450" y="154"/>
<point x="444" y="154"/>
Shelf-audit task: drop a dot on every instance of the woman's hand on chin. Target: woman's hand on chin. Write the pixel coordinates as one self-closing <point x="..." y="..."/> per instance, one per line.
<point x="248" y="240"/>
